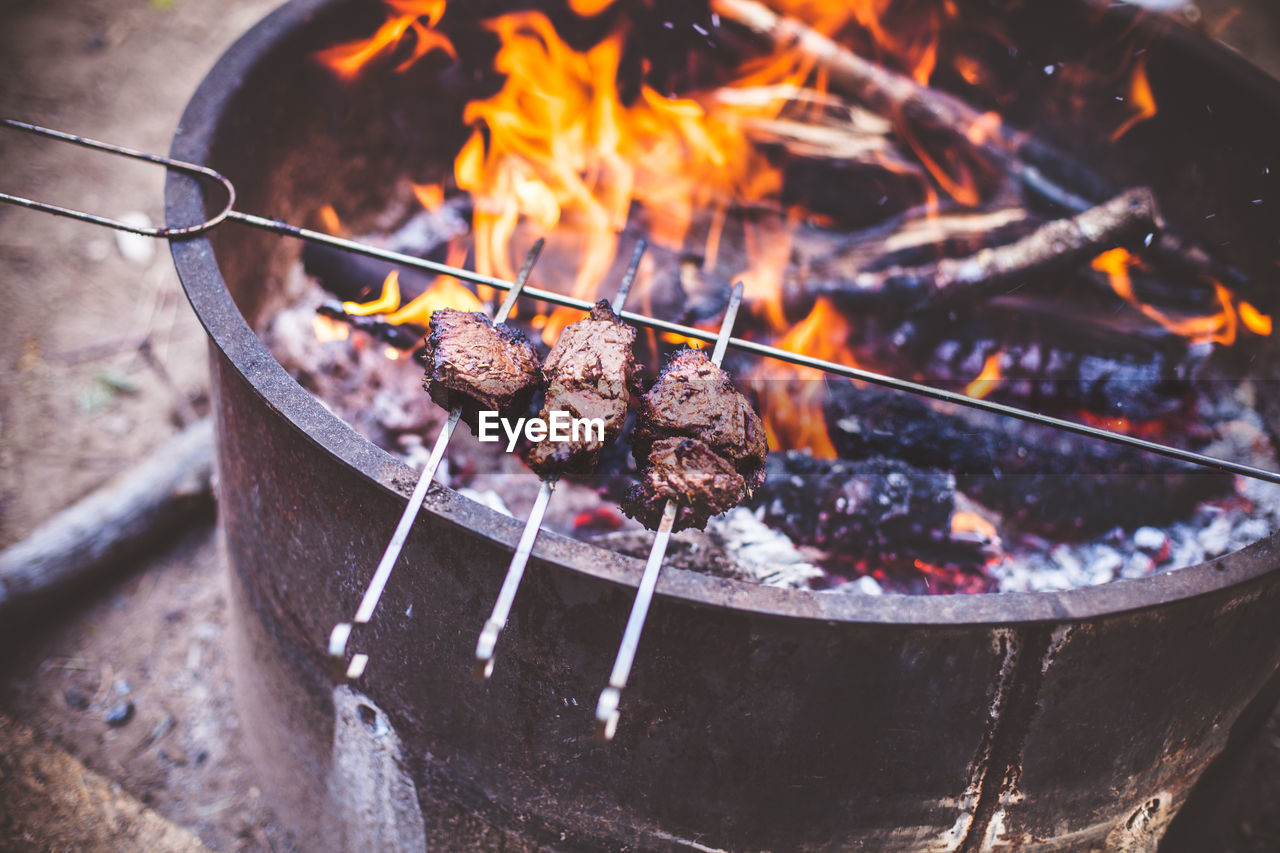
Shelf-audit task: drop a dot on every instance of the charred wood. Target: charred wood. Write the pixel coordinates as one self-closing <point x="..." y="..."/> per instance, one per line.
<point x="1131" y="219"/>
<point x="403" y="337"/>
<point x="1054" y="357"/>
<point x="1046" y="479"/>
<point x="872" y="509"/>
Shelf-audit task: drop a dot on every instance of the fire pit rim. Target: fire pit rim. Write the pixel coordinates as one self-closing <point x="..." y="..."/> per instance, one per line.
<point x="230" y="333"/>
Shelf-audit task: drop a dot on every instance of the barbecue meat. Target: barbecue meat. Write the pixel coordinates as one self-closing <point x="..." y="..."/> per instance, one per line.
<point x="476" y="365"/>
<point x="688" y="471"/>
<point x="697" y="441"/>
<point x="589" y="373"/>
<point x="696" y="399"/>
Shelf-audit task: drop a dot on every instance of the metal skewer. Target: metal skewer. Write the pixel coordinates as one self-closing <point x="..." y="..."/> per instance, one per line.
<point x="515" y="570"/>
<point x="340" y="636"/>
<point x="276" y="226"/>
<point x="607" y="714"/>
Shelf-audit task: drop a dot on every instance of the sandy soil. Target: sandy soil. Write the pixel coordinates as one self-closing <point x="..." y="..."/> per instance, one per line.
<point x="80" y="402"/>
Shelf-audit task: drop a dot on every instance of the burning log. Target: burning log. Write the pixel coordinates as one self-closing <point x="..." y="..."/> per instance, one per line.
<point x="1050" y="356"/>
<point x="913" y="106"/>
<point x="1129" y="220"/>
<point x="403" y="337"/>
<point x="1046" y="479"/>
<point x="869" y="509"/>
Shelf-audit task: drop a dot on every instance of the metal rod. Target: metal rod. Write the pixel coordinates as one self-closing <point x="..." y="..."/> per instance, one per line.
<point x="277" y="226"/>
<point x="607" y="713"/>
<point x="191" y="169"/>
<point x="787" y="356"/>
<point x="493" y="628"/>
<point x="340" y="636"/>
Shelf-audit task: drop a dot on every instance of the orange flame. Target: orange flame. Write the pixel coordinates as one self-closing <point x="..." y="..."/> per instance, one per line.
<point x="1142" y="98"/>
<point x="558" y="147"/>
<point x="430" y="196"/>
<point x="988" y="379"/>
<point x="971" y="522"/>
<point x="1254" y="320"/>
<point x="792" y="395"/>
<point x="328" y="329"/>
<point x="444" y="292"/>
<point x="1219" y="328"/>
<point x="347" y="60"/>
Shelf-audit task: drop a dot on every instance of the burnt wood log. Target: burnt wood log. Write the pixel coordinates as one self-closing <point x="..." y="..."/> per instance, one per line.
<point x="402" y="337"/>
<point x="1057" y="357"/>
<point x="113" y="525"/>
<point x="873" y="509"/>
<point x="1048" y="480"/>
<point x="1129" y="220"/>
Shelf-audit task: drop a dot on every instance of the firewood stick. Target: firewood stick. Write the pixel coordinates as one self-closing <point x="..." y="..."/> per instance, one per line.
<point x="113" y="525"/>
<point x="893" y="95"/>
<point x="910" y="105"/>
<point x="1131" y="219"/>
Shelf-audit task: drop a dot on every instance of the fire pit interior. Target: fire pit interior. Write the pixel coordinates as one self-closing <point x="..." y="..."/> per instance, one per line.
<point x="905" y="215"/>
<point x="1118" y="171"/>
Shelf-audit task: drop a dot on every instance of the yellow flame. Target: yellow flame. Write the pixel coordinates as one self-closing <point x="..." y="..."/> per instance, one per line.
<point x="388" y="301"/>
<point x="327" y="329"/>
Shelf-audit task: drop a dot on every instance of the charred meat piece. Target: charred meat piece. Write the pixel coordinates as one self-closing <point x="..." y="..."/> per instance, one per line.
<point x="589" y="374"/>
<point x="696" y="399"/>
<point x="688" y="471"/>
<point x="476" y="365"/>
<point x="697" y="442"/>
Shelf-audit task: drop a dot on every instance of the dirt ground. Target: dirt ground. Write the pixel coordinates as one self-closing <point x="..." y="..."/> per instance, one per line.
<point x="81" y="401"/>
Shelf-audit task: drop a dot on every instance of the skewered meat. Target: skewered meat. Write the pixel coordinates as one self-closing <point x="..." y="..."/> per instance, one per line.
<point x="589" y="374"/>
<point x="697" y="442"/>
<point x="476" y="365"/>
<point x="688" y="471"/>
<point x="695" y="399"/>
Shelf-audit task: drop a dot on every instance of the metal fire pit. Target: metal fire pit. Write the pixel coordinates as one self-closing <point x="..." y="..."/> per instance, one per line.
<point x="757" y="718"/>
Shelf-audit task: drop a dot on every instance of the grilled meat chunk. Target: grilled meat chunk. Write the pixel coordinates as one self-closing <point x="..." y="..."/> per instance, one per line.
<point x="697" y="442"/>
<point x="476" y="365"/>
<point x="688" y="471"/>
<point x="694" y="398"/>
<point x="589" y="374"/>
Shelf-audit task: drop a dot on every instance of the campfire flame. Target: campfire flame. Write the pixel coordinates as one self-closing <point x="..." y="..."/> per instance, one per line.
<point x="576" y="145"/>
<point x="1219" y="327"/>
<point x="986" y="381"/>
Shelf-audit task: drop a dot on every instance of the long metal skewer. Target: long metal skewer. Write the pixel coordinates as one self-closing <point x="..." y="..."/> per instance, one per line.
<point x="515" y="570"/>
<point x="277" y="226"/>
<point x="607" y="713"/>
<point x="340" y="636"/>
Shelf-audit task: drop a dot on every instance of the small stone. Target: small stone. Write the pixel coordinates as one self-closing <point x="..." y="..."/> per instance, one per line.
<point x="119" y="713"/>
<point x="1149" y="538"/>
<point x="121" y="687"/>
<point x="136" y="248"/>
<point x="76" y="698"/>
